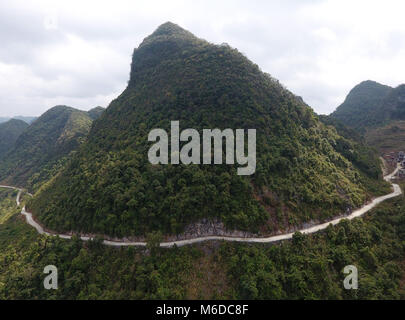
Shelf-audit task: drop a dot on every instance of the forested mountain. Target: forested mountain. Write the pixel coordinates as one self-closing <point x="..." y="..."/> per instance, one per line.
<point x="371" y="105"/>
<point x="362" y="106"/>
<point x="378" y="112"/>
<point x="305" y="169"/>
<point x="308" y="267"/>
<point x="42" y="147"/>
<point x="9" y="132"/>
<point x="353" y="146"/>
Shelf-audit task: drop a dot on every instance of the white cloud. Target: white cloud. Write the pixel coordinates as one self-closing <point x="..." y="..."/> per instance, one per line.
<point x="78" y="52"/>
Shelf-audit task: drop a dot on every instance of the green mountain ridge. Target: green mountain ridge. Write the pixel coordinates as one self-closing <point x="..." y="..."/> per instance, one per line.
<point x="43" y="146"/>
<point x="308" y="267"/>
<point x="303" y="167"/>
<point x="371" y="105"/>
<point x="377" y="112"/>
<point x="9" y="133"/>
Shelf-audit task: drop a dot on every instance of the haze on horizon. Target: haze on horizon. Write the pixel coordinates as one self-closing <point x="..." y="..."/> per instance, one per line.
<point x="78" y="53"/>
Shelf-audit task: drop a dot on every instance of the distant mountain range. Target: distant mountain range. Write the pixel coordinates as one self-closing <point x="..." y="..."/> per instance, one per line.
<point x="378" y="112"/>
<point x="28" y="120"/>
<point x="93" y="113"/>
<point x="33" y="153"/>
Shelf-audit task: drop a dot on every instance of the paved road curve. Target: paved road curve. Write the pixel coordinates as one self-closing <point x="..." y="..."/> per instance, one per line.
<point x="358" y="213"/>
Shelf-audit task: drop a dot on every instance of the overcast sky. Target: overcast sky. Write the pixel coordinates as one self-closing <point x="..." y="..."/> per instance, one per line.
<point x="78" y="53"/>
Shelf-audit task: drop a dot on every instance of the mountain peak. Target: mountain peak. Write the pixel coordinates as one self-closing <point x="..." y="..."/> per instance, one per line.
<point x="370" y="82"/>
<point x="370" y="85"/>
<point x="366" y="98"/>
<point x="15" y="121"/>
<point x="169" y="31"/>
<point x="169" y="28"/>
<point x="166" y="42"/>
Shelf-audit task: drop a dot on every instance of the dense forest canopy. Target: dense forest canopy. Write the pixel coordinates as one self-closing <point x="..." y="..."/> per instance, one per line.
<point x="370" y="105"/>
<point x="378" y="113"/>
<point x="307" y="267"/>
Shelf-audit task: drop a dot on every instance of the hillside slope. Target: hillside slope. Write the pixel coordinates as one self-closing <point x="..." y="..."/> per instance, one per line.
<point x="109" y="186"/>
<point x="308" y="267"/>
<point x="378" y="112"/>
<point x="9" y="132"/>
<point x="362" y="107"/>
<point x="43" y="145"/>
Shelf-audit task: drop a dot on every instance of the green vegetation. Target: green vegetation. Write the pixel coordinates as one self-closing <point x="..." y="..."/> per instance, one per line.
<point x="308" y="267"/>
<point x="95" y="177"/>
<point x="88" y="270"/>
<point x="304" y="169"/>
<point x="9" y="132"/>
<point x="353" y="146"/>
<point x="377" y="111"/>
<point x="41" y="150"/>
<point x="7" y="203"/>
<point x="362" y="107"/>
<point x="311" y="267"/>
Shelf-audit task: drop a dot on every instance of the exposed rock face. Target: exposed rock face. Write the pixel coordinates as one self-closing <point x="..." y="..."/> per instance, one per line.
<point x="211" y="228"/>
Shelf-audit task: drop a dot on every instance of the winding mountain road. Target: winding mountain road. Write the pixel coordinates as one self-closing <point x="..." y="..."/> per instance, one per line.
<point x="355" y="214"/>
